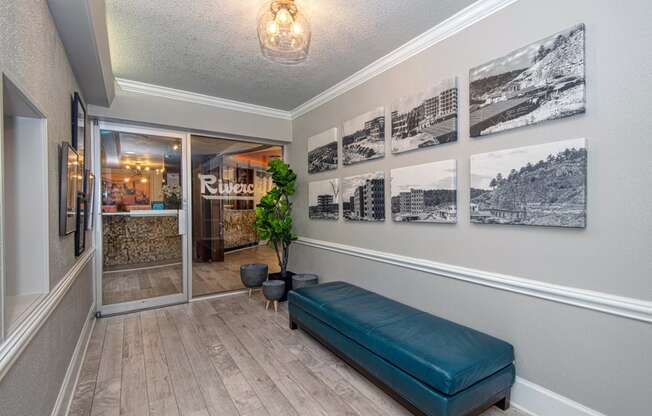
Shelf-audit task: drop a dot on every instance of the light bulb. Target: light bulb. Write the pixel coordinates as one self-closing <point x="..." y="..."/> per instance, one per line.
<point x="283" y="16"/>
<point x="272" y="27"/>
<point x="144" y="180"/>
<point x="126" y="179"/>
<point x="127" y="167"/>
<point x="296" y="28"/>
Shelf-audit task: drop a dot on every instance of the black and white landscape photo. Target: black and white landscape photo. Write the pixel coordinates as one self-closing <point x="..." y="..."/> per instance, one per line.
<point x="535" y="185"/>
<point x="542" y="81"/>
<point x="363" y="137"/>
<point x="322" y="151"/>
<point x="425" y="119"/>
<point x="363" y="197"/>
<point x="425" y="193"/>
<point x="323" y="200"/>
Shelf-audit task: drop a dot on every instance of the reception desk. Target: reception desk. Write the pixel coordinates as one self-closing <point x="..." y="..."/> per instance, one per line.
<point x="140" y="239"/>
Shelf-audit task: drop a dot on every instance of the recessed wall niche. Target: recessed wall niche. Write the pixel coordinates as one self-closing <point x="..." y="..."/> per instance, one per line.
<point x="24" y="208"/>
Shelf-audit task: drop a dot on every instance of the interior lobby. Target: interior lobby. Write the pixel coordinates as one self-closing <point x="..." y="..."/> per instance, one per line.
<point x="325" y="207"/>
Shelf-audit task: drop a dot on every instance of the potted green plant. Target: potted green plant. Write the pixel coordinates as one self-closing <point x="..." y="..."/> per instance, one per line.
<point x="274" y="218"/>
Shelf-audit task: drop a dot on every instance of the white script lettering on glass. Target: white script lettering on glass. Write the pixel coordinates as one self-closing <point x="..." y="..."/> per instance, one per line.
<point x="212" y="188"/>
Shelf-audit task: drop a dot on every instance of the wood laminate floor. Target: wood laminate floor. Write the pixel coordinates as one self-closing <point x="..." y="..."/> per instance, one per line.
<point x="226" y="356"/>
<point x="208" y="278"/>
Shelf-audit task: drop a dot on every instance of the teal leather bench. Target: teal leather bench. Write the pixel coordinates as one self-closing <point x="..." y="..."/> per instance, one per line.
<point x="432" y="366"/>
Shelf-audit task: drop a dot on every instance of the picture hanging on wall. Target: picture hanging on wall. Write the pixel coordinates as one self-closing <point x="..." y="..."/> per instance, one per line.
<point x="534" y="185"/>
<point x="542" y="81"/>
<point x="322" y="151"/>
<point x="80" y="226"/>
<point x="68" y="182"/>
<point x="363" y="137"/>
<point x="425" y="193"/>
<point x="79" y="134"/>
<point x="426" y="119"/>
<point x="363" y="197"/>
<point x="324" y="200"/>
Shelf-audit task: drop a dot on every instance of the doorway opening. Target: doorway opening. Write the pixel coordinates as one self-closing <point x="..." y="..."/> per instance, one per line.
<point x="228" y="180"/>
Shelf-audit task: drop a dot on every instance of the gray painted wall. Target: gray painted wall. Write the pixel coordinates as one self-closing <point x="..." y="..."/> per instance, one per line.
<point x="593" y="358"/>
<point x="32" y="54"/>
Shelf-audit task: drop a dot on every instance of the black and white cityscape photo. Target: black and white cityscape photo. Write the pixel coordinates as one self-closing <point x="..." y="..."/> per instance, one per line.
<point x="363" y="197"/>
<point x="322" y="151"/>
<point x="535" y="185"/>
<point x="323" y="200"/>
<point x="425" y="119"/>
<point x="363" y="137"/>
<point x="542" y="81"/>
<point x="425" y="193"/>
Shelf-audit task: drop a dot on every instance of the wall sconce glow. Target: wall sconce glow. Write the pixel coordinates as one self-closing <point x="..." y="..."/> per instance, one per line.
<point x="283" y="32"/>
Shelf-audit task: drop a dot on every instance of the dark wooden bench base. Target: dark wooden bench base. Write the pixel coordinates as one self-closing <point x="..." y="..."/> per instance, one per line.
<point x="501" y="400"/>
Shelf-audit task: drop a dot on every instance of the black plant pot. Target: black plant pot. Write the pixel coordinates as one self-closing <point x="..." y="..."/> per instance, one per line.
<point x="288" y="282"/>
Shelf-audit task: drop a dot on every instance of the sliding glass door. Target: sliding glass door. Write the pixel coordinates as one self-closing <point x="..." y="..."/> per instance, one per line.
<point x="228" y="178"/>
<point x="143" y="218"/>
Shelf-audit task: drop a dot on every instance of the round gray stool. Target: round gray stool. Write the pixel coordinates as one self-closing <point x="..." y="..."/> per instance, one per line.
<point x="303" y="280"/>
<point x="253" y="275"/>
<point x="273" y="290"/>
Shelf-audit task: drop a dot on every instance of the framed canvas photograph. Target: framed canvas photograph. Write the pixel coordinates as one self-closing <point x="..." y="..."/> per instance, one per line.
<point x="363" y="197"/>
<point x="541" y="185"/>
<point x="425" y="193"/>
<point x="539" y="82"/>
<point x="68" y="189"/>
<point x="324" y="200"/>
<point x="363" y="137"/>
<point x="426" y="119"/>
<point x="80" y="224"/>
<point x="322" y="151"/>
<point x="79" y="134"/>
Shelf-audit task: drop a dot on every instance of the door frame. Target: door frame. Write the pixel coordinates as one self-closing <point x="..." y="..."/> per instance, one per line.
<point x="184" y="220"/>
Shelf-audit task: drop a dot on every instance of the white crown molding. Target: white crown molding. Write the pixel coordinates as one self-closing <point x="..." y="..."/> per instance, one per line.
<point x="137" y="87"/>
<point x="637" y="309"/>
<point x="20" y="338"/>
<point x="466" y="17"/>
<point x="449" y="27"/>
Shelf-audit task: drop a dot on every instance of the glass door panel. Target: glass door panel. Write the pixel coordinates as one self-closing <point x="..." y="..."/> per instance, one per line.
<point x="228" y="179"/>
<point x="143" y="219"/>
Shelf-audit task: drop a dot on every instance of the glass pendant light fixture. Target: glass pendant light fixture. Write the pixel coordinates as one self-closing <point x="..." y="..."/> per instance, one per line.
<point x="283" y="32"/>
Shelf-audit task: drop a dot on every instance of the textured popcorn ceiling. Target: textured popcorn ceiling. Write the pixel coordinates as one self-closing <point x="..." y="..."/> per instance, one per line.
<point x="210" y="46"/>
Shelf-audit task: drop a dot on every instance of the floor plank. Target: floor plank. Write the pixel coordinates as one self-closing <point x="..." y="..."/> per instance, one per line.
<point x="185" y="385"/>
<point x="106" y="401"/>
<point x="133" y="396"/>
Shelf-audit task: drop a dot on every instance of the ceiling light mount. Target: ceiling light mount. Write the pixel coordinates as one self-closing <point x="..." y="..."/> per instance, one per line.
<point x="283" y="32"/>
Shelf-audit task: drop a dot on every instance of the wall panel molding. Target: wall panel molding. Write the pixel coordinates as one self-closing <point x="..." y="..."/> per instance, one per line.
<point x="625" y="307"/>
<point x="66" y="393"/>
<point x="21" y="336"/>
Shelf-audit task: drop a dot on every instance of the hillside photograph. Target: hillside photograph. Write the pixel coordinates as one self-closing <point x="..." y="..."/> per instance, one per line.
<point x="542" y="81"/>
<point x="541" y="185"/>
<point x="363" y="137"/>
<point x="322" y="151"/>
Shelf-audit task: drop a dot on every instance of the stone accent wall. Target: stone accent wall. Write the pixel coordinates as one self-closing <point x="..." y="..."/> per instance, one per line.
<point x="140" y="241"/>
<point x="239" y="228"/>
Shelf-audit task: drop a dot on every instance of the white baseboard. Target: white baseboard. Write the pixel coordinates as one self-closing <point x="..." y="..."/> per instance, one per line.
<point x="64" y="399"/>
<point x="539" y="401"/>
